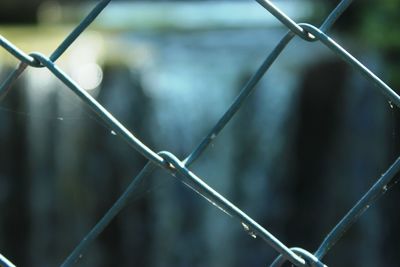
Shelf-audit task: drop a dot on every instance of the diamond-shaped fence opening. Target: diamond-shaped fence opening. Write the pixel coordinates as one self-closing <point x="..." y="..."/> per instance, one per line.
<point x="180" y="169"/>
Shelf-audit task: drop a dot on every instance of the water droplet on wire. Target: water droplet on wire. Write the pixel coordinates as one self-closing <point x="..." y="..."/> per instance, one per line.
<point x="390" y="104"/>
<point x="248" y="230"/>
<point x="113" y="133"/>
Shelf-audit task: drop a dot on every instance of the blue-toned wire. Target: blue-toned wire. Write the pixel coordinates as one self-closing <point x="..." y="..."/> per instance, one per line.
<point x="351" y="60"/>
<point x="200" y="187"/>
<point x="78" y="30"/>
<point x="6" y="86"/>
<point x="335" y="14"/>
<point x="295" y="27"/>
<point x="103" y="113"/>
<point x="246" y="91"/>
<point x="18" y="53"/>
<point x="288" y="22"/>
<point x="113" y="211"/>
<point x="238" y="102"/>
<point x="310" y="259"/>
<point x="107" y="218"/>
<point x="250" y="86"/>
<point x="305" y="31"/>
<point x="25" y="59"/>
<point x="377" y="190"/>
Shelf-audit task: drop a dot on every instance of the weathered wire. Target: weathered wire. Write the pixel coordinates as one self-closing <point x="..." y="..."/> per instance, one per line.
<point x="179" y="169"/>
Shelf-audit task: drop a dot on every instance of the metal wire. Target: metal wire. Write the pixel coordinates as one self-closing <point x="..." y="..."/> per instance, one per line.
<point x="4" y="262"/>
<point x="310" y="259"/>
<point x="376" y="191"/>
<point x="180" y="169"/>
<point x="29" y="60"/>
<point x="107" y="218"/>
<point x="238" y="102"/>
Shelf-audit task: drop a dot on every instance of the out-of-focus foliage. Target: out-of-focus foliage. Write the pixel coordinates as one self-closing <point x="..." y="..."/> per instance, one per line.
<point x="379" y="27"/>
<point x="379" y="23"/>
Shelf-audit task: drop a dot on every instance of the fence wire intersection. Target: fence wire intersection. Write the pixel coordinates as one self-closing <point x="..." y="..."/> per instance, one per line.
<point x="180" y="168"/>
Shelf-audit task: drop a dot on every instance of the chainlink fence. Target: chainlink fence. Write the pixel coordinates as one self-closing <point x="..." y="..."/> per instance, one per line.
<point x="180" y="168"/>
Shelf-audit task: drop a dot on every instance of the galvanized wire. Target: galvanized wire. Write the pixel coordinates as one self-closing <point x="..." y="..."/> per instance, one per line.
<point x="180" y="169"/>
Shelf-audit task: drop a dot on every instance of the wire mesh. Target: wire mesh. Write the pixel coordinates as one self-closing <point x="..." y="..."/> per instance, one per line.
<point x="180" y="168"/>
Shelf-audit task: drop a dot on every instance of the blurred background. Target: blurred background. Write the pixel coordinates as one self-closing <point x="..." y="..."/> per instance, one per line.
<point x="306" y="145"/>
